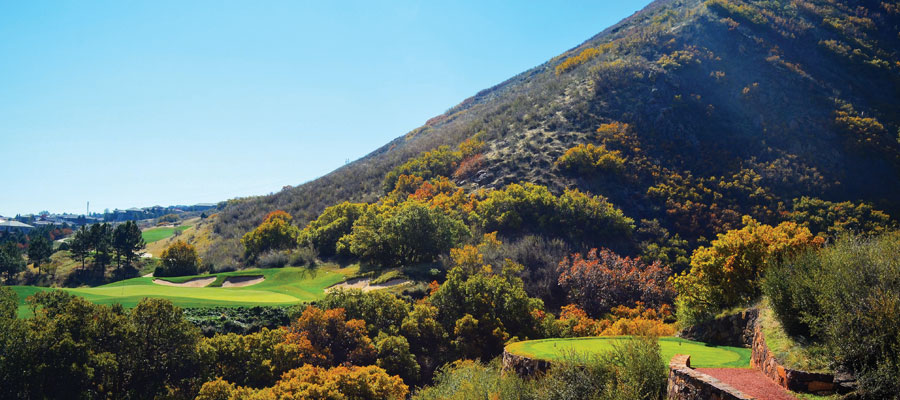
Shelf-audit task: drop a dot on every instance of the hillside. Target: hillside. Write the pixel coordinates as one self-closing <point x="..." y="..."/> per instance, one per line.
<point x="703" y="111"/>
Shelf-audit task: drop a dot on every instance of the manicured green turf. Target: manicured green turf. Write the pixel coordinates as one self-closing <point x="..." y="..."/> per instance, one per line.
<point x="283" y="286"/>
<point x="155" y="234"/>
<point x="702" y="355"/>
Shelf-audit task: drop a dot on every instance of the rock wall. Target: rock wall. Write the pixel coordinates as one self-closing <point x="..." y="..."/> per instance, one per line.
<point x="731" y="330"/>
<point x="686" y="383"/>
<point x="799" y="381"/>
<point x="524" y="366"/>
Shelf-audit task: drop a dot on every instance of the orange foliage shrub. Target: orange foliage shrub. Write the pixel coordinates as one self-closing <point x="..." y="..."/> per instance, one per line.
<point x="327" y="338"/>
<point x="469" y="166"/>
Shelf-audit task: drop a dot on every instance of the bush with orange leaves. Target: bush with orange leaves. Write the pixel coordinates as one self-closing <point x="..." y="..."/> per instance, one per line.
<point x="327" y="338"/>
<point x="638" y="320"/>
<point x="311" y="382"/>
<point x="603" y="280"/>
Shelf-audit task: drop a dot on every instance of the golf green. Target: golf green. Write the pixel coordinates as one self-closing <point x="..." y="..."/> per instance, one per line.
<point x="282" y="286"/>
<point x="702" y="354"/>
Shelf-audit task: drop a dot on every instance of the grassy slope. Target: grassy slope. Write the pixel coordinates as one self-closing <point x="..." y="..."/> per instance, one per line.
<point x="789" y="351"/>
<point x="282" y="287"/>
<point x="702" y="355"/>
<point x="156" y="234"/>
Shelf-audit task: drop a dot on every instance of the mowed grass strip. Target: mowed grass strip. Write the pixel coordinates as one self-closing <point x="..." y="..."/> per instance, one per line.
<point x="156" y="234"/>
<point x="702" y="354"/>
<point x="283" y="286"/>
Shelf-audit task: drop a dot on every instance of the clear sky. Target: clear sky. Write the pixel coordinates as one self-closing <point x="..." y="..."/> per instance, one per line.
<point x="139" y="103"/>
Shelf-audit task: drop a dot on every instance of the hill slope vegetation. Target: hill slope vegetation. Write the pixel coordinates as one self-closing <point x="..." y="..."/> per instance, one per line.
<point x="687" y="116"/>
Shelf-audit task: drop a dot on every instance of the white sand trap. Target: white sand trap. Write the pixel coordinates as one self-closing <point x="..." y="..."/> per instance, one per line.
<point x="365" y="285"/>
<point x="196" y="282"/>
<point x="150" y="275"/>
<point x="241" y="281"/>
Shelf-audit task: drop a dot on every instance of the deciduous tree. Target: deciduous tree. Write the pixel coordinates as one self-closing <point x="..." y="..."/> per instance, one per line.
<point x="275" y="233"/>
<point x="603" y="280"/>
<point x="178" y="259"/>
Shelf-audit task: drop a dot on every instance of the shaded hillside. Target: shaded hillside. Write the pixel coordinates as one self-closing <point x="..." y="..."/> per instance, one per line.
<point x="703" y="111"/>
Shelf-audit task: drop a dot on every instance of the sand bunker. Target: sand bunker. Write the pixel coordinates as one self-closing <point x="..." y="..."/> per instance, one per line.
<point x="241" y="281"/>
<point x="196" y="282"/>
<point x="365" y="285"/>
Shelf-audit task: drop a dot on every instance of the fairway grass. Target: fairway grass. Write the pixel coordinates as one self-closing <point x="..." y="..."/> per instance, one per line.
<point x="282" y="286"/>
<point x="156" y="234"/>
<point x="702" y="354"/>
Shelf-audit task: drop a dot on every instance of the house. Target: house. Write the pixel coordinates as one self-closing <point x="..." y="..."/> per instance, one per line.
<point x="12" y="226"/>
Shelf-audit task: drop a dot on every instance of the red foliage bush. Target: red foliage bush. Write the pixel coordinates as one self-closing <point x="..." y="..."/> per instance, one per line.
<point x="603" y="280"/>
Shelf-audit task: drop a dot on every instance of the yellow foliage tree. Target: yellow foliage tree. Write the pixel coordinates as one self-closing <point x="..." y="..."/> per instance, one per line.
<point x="727" y="273"/>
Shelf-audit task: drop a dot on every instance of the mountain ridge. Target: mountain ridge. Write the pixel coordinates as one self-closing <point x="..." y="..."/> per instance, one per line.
<point x="719" y="109"/>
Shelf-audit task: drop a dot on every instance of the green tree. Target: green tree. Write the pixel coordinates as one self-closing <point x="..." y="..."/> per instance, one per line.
<point x="127" y="241"/>
<point x="257" y="359"/>
<point x="101" y="243"/>
<point x="407" y="234"/>
<point x="165" y="354"/>
<point x="334" y="223"/>
<point x="179" y="259"/>
<point x="392" y="353"/>
<point x="11" y="261"/>
<point x="80" y="245"/>
<point x="39" y="250"/>
<point x="484" y="309"/>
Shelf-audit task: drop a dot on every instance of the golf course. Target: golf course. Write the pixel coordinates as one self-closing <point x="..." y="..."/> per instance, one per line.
<point x="702" y="354"/>
<point x="281" y="286"/>
<point x="157" y="234"/>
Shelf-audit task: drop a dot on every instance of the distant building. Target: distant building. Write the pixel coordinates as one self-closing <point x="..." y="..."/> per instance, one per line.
<point x="12" y="226"/>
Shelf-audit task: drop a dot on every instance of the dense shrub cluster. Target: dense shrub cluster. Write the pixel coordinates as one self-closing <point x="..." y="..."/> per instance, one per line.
<point x="633" y="370"/>
<point x="587" y="160"/>
<point x="846" y="296"/>
<point x="179" y="259"/>
<point x="573" y="215"/>
<point x="728" y="272"/>
<point x="603" y="280"/>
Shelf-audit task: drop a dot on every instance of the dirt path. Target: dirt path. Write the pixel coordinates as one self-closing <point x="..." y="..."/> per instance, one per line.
<point x="196" y="282"/>
<point x="364" y="284"/>
<point x="750" y="381"/>
<point x="241" y="281"/>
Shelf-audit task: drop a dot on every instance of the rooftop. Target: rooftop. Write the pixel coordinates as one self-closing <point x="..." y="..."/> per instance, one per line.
<point x="15" y="224"/>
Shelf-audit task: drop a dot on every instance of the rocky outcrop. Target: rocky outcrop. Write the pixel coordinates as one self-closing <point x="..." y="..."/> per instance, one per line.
<point x="731" y="330"/>
<point x="524" y="366"/>
<point x="686" y="383"/>
<point x="798" y="381"/>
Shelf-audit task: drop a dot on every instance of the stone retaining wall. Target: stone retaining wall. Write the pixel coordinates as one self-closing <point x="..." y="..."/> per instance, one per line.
<point x="799" y="381"/>
<point x="686" y="383"/>
<point x="524" y="366"/>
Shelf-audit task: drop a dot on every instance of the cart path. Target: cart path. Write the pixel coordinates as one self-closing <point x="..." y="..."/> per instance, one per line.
<point x="751" y="381"/>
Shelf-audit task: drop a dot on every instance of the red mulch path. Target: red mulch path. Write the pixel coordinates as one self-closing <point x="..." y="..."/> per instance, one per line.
<point x="749" y="381"/>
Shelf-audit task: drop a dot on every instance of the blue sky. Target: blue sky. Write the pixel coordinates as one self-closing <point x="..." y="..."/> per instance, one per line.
<point x="128" y="103"/>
